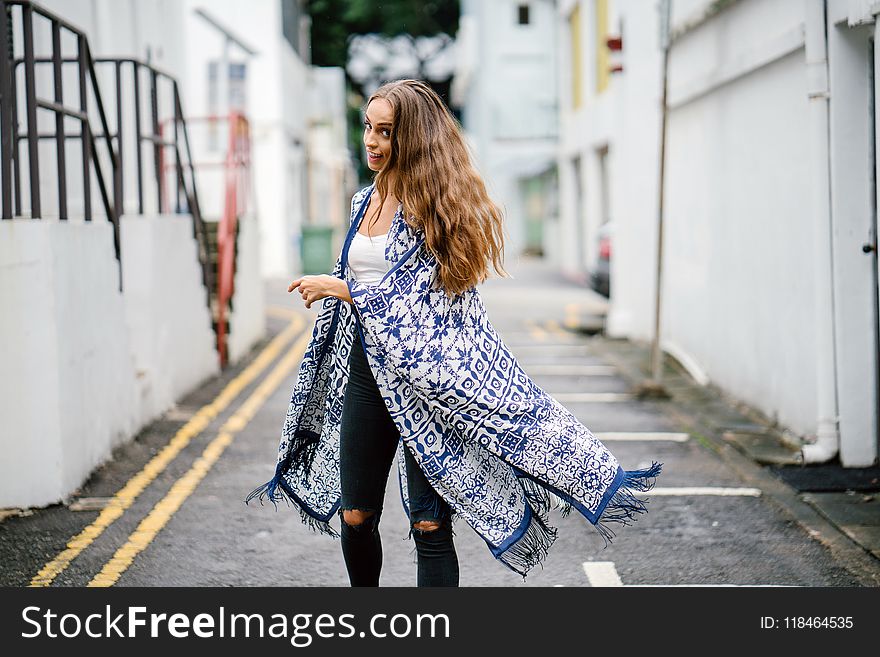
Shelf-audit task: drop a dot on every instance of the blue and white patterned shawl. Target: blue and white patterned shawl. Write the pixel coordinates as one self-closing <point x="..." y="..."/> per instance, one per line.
<point x="499" y="449"/>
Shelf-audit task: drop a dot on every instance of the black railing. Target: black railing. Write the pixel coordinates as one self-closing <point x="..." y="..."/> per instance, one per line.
<point x="186" y="198"/>
<point x="10" y="168"/>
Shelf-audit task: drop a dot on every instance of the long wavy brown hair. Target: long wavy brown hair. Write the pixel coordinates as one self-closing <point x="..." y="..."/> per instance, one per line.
<point x="430" y="171"/>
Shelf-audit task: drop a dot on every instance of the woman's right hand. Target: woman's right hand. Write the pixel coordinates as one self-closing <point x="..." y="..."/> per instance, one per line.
<point x="315" y="287"/>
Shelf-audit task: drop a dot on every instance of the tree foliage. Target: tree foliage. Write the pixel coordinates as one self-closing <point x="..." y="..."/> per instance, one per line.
<point x="335" y="21"/>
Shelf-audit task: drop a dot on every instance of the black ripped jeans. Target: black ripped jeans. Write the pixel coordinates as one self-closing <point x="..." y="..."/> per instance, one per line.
<point x="367" y="445"/>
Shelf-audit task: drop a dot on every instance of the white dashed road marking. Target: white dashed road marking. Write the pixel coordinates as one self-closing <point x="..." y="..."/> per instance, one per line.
<point x="643" y="435"/>
<point x="591" y="396"/>
<point x="572" y="370"/>
<point x="703" y="490"/>
<point x="558" y="348"/>
<point x="602" y="573"/>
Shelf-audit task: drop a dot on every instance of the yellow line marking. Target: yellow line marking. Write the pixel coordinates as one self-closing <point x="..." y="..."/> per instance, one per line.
<point x="526" y="337"/>
<point x="281" y="312"/>
<point x="184" y="487"/>
<point x="126" y="495"/>
<point x="571" y="315"/>
<point x="536" y="331"/>
<point x="552" y="326"/>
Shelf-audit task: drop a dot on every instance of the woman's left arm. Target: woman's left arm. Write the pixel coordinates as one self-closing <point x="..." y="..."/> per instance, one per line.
<point x="315" y="287"/>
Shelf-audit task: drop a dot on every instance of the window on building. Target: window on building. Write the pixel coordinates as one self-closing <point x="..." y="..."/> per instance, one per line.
<point x="235" y="92"/>
<point x="236" y="81"/>
<point x="237" y="88"/>
<point x="523" y="15"/>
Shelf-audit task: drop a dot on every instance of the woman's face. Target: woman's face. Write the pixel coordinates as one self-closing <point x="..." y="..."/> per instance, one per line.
<point x="377" y="133"/>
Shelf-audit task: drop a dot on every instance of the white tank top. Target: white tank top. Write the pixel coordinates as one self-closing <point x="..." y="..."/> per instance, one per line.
<point x="366" y="257"/>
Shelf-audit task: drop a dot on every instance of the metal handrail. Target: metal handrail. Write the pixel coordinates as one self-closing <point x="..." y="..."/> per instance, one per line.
<point x="9" y="119"/>
<point x="236" y="165"/>
<point x="114" y="208"/>
<point x="186" y="188"/>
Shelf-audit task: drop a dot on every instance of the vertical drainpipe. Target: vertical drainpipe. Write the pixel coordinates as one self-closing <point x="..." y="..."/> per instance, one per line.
<point x="816" y="44"/>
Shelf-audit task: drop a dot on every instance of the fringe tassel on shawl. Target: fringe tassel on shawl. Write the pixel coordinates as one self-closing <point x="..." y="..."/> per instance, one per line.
<point x="303" y="454"/>
<point x="624" y="505"/>
<point x="275" y="493"/>
<point x="531" y="549"/>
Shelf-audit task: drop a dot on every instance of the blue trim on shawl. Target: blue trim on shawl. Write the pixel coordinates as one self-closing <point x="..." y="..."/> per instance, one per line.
<point x="402" y="261"/>
<point x="355" y="224"/>
<point x="281" y="468"/>
<point x="287" y="489"/>
<point x="270" y="490"/>
<point x="352" y="229"/>
<point x="606" y="498"/>
<point x="400" y="483"/>
<point x="612" y="489"/>
<point x="360" y="332"/>
<point x="527" y="516"/>
<point x="513" y="538"/>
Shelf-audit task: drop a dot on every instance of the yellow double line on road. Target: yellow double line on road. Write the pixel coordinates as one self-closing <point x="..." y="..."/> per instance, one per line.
<point x="542" y="332"/>
<point x="126" y="496"/>
<point x="183" y="488"/>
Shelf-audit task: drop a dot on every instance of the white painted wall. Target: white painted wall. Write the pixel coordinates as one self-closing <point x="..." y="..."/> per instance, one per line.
<point x="752" y="96"/>
<point x="166" y="308"/>
<point x="67" y="389"/>
<point x="740" y="293"/>
<point x="855" y="309"/>
<point x="247" y="321"/>
<point x="634" y="152"/>
<point x="292" y="138"/>
<point x="599" y="122"/>
<point x="737" y="270"/>
<point x="331" y="173"/>
<point x="84" y="366"/>
<point x="137" y="28"/>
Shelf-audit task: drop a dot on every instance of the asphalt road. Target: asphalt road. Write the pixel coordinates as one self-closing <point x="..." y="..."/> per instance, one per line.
<point x="705" y="526"/>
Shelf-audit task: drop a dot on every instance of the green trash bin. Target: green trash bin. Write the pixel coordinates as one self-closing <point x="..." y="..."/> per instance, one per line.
<point x="317" y="249"/>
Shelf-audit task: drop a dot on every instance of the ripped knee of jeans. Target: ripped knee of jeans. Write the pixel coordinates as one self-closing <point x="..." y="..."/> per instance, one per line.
<point x="427" y="525"/>
<point x="432" y="530"/>
<point x="359" y="519"/>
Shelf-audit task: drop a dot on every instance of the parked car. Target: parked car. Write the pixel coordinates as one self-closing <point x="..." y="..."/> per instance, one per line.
<point x="600" y="275"/>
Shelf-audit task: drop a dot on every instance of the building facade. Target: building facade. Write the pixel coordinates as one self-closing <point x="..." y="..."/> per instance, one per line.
<point x="769" y="266"/>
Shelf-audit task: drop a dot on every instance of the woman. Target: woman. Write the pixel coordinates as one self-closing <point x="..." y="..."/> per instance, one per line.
<point x="403" y="358"/>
